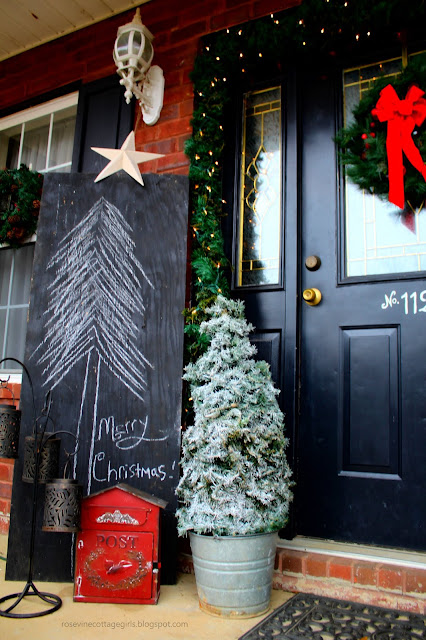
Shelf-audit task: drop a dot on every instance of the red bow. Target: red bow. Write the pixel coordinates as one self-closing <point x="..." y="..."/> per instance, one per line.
<point x="402" y="116"/>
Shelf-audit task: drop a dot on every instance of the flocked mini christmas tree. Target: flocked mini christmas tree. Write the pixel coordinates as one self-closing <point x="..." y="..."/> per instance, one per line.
<point x="235" y="477"/>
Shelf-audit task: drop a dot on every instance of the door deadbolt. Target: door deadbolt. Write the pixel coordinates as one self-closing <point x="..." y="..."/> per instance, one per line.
<point x="312" y="296"/>
<point x="312" y="263"/>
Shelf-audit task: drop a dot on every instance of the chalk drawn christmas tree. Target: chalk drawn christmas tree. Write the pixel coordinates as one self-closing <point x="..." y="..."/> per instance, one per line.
<point x="93" y="299"/>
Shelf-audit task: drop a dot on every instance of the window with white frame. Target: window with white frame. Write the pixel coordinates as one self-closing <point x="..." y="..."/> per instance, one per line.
<point x="42" y="138"/>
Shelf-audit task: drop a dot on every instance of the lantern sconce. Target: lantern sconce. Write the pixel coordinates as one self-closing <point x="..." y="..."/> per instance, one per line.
<point x="133" y="54"/>
<point x="62" y="499"/>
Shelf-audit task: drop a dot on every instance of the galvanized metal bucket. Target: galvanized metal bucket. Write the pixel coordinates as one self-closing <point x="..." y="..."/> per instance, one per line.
<point x="234" y="573"/>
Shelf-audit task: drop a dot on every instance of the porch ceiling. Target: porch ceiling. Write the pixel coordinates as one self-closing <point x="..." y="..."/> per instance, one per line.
<point x="25" y="24"/>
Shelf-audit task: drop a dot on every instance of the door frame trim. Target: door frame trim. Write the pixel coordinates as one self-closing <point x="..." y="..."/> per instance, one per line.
<point x="355" y="551"/>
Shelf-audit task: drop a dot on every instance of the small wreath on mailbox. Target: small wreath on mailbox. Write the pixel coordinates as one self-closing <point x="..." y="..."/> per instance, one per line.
<point x="20" y="193"/>
<point x="95" y="577"/>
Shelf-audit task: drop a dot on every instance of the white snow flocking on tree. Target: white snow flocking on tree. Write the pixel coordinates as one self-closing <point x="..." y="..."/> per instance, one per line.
<point x="235" y="476"/>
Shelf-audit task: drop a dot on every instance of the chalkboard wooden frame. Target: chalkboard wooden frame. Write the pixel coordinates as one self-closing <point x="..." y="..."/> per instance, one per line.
<point x="105" y="335"/>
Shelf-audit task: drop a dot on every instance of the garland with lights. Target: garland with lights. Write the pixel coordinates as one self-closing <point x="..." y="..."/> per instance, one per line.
<point x="20" y="193"/>
<point x="363" y="144"/>
<point x="315" y="27"/>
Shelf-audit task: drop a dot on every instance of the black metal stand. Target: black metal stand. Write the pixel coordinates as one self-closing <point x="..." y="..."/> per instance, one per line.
<point x="30" y="589"/>
<point x="50" y="598"/>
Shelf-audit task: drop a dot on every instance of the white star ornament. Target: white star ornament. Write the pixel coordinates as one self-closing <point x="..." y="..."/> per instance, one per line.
<point x="125" y="158"/>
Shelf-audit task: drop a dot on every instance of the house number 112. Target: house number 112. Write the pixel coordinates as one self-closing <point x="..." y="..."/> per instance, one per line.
<point x="412" y="301"/>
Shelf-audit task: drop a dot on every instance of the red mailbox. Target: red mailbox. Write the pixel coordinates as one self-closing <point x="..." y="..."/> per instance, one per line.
<point x="117" y="555"/>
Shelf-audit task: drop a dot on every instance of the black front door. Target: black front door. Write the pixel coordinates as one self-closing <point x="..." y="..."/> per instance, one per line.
<point x="362" y="422"/>
<point x="352" y="368"/>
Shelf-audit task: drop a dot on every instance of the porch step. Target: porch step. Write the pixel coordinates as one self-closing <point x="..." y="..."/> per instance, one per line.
<point x="371" y="575"/>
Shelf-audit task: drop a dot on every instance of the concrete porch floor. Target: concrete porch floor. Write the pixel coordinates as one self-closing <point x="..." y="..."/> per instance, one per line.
<point x="177" y="614"/>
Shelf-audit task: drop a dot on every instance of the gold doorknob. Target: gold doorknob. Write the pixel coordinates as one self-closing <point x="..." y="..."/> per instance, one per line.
<point x="312" y="296"/>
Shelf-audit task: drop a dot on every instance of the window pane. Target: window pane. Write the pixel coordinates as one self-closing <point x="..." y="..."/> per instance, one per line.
<point x="259" y="245"/>
<point x="62" y="140"/>
<point x="16" y="334"/>
<point x="5" y="264"/>
<point x="377" y="240"/>
<point x="16" y="276"/>
<point x="34" y="150"/>
<point x="4" y="365"/>
<point x="9" y="147"/>
<point x="22" y="274"/>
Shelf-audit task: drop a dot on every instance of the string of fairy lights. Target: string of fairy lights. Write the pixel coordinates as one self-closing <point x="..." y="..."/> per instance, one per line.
<point x="252" y="51"/>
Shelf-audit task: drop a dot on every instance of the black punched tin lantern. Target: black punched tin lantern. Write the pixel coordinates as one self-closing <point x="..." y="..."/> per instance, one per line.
<point x="49" y="457"/>
<point x="62" y="506"/>
<point x="63" y="499"/>
<point x="10" y="423"/>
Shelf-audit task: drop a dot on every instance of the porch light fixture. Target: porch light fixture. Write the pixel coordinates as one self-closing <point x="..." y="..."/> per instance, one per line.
<point x="133" y="53"/>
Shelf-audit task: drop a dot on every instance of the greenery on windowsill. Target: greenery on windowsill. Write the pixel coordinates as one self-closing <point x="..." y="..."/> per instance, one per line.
<point x="20" y="194"/>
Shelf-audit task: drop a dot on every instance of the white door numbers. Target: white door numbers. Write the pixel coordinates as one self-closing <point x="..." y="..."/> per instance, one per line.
<point x="412" y="303"/>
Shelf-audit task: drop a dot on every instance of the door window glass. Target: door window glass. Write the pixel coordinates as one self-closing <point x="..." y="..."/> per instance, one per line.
<point x="377" y="240"/>
<point x="259" y="237"/>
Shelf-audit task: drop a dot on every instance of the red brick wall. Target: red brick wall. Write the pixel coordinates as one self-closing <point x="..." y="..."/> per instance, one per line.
<point x="6" y="466"/>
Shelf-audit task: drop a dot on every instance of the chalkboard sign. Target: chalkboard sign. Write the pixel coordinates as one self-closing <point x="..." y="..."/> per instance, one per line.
<point x="105" y="335"/>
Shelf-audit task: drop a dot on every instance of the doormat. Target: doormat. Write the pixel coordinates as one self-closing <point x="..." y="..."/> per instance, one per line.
<point x="308" y="616"/>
